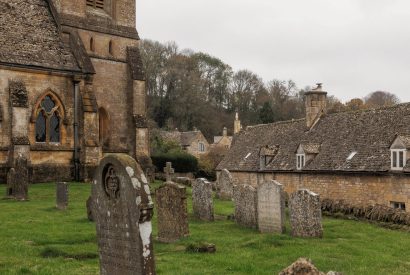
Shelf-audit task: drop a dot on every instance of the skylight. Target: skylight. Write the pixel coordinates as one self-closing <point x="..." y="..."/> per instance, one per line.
<point x="248" y="155"/>
<point x="351" y="156"/>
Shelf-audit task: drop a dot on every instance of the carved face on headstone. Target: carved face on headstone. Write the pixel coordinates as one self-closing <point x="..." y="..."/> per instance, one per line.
<point x="111" y="183"/>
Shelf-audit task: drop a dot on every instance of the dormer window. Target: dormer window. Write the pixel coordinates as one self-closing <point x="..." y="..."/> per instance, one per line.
<point x="300" y="161"/>
<point x="398" y="159"/>
<point x="306" y="153"/>
<point x="398" y="151"/>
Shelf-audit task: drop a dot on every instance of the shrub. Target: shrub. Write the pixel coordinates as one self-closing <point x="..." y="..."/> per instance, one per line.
<point x="182" y="162"/>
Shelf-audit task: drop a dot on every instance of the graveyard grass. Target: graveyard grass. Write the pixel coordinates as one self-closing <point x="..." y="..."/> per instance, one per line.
<point x="38" y="239"/>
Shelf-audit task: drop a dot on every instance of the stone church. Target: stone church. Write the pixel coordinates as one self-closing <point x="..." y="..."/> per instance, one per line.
<point x="362" y="157"/>
<point x="72" y="86"/>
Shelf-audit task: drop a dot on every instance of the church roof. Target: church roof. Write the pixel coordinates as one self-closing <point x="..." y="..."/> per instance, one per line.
<point x="335" y="137"/>
<point x="30" y="37"/>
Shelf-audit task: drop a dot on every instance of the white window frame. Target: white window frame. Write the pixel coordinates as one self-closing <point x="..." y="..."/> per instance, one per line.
<point x="395" y="159"/>
<point x="201" y="147"/>
<point x="398" y="205"/>
<point x="300" y="161"/>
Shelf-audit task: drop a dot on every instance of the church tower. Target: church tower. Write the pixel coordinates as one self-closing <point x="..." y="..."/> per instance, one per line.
<point x="113" y="95"/>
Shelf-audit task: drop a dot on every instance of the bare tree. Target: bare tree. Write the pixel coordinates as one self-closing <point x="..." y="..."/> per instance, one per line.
<point x="381" y="99"/>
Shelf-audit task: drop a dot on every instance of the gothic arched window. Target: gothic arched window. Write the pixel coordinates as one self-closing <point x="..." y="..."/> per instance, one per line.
<point x="48" y="120"/>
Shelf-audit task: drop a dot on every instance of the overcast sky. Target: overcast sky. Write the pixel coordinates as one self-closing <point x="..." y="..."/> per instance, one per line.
<point x="353" y="46"/>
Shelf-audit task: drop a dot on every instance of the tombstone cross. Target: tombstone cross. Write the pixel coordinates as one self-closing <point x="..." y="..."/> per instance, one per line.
<point x="168" y="170"/>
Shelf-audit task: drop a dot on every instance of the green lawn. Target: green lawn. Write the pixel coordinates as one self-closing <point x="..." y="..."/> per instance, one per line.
<point x="38" y="239"/>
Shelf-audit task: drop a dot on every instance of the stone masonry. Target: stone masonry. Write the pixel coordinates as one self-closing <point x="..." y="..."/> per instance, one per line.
<point x="202" y="202"/>
<point x="245" y="198"/>
<point x="305" y="214"/>
<point x="271" y="207"/>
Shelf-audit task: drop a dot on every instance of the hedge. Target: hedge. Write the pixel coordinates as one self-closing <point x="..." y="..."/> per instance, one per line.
<point x="181" y="162"/>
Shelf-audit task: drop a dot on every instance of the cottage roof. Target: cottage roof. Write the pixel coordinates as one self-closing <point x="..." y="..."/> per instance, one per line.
<point x="30" y="37"/>
<point x="183" y="138"/>
<point x="367" y="132"/>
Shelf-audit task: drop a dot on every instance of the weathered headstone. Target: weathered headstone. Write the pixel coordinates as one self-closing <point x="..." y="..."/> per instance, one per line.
<point x="245" y="197"/>
<point x="168" y="170"/>
<point x="271" y="207"/>
<point x="18" y="180"/>
<point x="305" y="214"/>
<point x="202" y="202"/>
<point x="90" y="206"/>
<point x="225" y="185"/>
<point x="172" y="212"/>
<point x="122" y="211"/>
<point x="11" y="176"/>
<point x="62" y="195"/>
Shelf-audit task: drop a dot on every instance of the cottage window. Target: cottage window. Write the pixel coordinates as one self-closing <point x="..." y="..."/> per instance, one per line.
<point x="201" y="147"/>
<point x="398" y="205"/>
<point x="48" y="120"/>
<point x="398" y="159"/>
<point x="99" y="4"/>
<point x="300" y="161"/>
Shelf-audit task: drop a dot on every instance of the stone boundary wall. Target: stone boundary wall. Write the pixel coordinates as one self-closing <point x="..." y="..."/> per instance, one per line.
<point x="355" y="189"/>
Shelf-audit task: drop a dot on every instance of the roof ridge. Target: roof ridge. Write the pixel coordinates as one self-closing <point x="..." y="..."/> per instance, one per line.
<point x="382" y="108"/>
<point x="276" y="123"/>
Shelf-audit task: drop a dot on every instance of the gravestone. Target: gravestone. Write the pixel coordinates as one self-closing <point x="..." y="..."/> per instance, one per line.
<point x="305" y="214"/>
<point x="168" y="170"/>
<point x="90" y="204"/>
<point x="202" y="200"/>
<point x="172" y="212"/>
<point x="245" y="197"/>
<point x="62" y="195"/>
<point x="225" y="185"/>
<point x="122" y="211"/>
<point x="18" y="180"/>
<point x="271" y="207"/>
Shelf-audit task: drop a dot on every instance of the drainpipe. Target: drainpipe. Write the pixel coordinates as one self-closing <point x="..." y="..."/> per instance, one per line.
<point x="76" y="144"/>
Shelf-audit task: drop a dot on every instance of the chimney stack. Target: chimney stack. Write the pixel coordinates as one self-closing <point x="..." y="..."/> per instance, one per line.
<point x="237" y="124"/>
<point x="315" y="103"/>
<point x="225" y="132"/>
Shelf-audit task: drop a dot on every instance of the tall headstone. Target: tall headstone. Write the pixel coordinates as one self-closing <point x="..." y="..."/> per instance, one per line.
<point x="18" y="180"/>
<point x="11" y="178"/>
<point x="202" y="202"/>
<point x="305" y="214"/>
<point x="225" y="185"/>
<point x="62" y="195"/>
<point x="122" y="211"/>
<point x="90" y="205"/>
<point x="245" y="197"/>
<point x="271" y="207"/>
<point x="172" y="212"/>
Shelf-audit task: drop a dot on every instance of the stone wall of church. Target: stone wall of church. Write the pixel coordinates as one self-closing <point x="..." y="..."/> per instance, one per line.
<point x="357" y="189"/>
<point x="113" y="87"/>
<point x="44" y="158"/>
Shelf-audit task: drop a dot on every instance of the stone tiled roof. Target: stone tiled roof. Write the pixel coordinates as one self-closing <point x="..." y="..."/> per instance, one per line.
<point x="311" y="148"/>
<point x="369" y="133"/>
<point x="30" y="36"/>
<point x="183" y="138"/>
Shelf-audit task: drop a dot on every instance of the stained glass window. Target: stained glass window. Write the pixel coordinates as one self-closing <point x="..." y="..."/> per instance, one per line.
<point x="41" y="128"/>
<point x="48" y="121"/>
<point x="54" y="128"/>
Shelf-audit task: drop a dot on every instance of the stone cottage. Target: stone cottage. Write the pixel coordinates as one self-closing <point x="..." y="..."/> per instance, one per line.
<point x="71" y="86"/>
<point x="359" y="156"/>
<point x="193" y="142"/>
